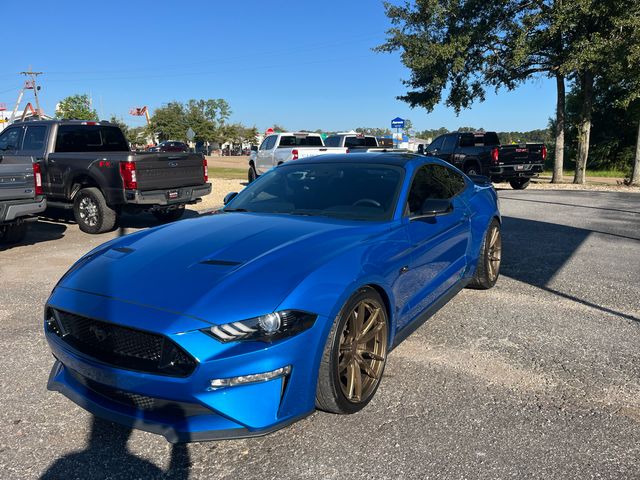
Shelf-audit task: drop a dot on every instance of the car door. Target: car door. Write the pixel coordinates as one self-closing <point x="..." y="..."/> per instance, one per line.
<point x="434" y="147"/>
<point x="448" y="147"/>
<point x="439" y="244"/>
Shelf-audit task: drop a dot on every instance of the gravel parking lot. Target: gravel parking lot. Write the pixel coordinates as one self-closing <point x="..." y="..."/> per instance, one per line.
<point x="536" y="378"/>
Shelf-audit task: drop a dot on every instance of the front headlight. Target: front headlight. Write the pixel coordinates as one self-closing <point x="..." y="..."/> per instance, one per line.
<point x="265" y="328"/>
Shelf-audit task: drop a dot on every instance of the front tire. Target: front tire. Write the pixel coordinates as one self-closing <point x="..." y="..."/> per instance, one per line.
<point x="519" y="183"/>
<point x="91" y="212"/>
<point x="251" y="174"/>
<point x="169" y="215"/>
<point x="472" y="169"/>
<point x="488" y="268"/>
<point x="355" y="354"/>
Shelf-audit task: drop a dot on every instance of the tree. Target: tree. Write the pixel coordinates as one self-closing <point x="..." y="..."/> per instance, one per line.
<point x="278" y="128"/>
<point x="375" y="131"/>
<point x="465" y="46"/>
<point x="123" y="126"/>
<point x="77" y="107"/>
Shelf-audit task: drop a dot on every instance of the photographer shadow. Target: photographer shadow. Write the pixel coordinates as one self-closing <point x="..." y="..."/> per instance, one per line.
<point x="107" y="457"/>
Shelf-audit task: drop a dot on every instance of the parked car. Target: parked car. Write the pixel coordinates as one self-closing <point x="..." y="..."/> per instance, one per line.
<point x="87" y="167"/>
<point x="481" y="154"/>
<point x="289" y="299"/>
<point x="283" y="147"/>
<point x="21" y="194"/>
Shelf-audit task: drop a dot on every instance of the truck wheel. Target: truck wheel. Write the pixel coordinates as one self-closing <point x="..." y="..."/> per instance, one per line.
<point x="252" y="175"/>
<point x="92" y="213"/>
<point x="472" y="169"/>
<point x="519" y="183"/>
<point x="169" y="215"/>
<point x="488" y="267"/>
<point x="14" y="233"/>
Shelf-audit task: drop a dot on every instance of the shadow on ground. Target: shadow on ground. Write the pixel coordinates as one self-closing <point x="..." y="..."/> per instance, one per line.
<point x="533" y="252"/>
<point x="107" y="457"/>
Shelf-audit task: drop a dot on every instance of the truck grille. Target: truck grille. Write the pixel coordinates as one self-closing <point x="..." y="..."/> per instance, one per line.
<point x="119" y="346"/>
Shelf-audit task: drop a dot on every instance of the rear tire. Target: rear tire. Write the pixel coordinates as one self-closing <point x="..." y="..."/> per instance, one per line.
<point x="519" y="183"/>
<point x="472" y="169"/>
<point x="252" y="175"/>
<point x="354" y="355"/>
<point x="91" y="212"/>
<point x="488" y="268"/>
<point x="14" y="233"/>
<point x="166" y="216"/>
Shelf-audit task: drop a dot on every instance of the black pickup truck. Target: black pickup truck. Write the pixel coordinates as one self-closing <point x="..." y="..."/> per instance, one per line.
<point x="88" y="167"/>
<point x="481" y="154"/>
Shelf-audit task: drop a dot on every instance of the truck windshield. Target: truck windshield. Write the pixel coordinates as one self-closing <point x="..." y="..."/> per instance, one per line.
<point x="340" y="190"/>
<point x="294" y="141"/>
<point x="90" y="138"/>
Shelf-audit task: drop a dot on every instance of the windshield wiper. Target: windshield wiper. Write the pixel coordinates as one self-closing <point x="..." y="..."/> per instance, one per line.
<point x="235" y="210"/>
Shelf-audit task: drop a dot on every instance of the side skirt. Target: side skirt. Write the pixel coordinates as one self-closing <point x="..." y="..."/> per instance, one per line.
<point x="423" y="317"/>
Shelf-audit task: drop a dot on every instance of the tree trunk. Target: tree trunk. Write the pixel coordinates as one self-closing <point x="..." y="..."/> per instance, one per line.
<point x="584" y="127"/>
<point x="558" y="162"/>
<point x="635" y="173"/>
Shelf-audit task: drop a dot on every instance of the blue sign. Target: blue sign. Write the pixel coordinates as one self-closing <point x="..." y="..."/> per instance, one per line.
<point x="397" y="122"/>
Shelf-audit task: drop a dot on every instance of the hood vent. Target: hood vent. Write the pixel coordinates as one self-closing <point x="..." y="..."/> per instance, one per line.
<point x="225" y="263"/>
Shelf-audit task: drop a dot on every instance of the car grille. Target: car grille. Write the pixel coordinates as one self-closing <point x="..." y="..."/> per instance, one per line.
<point x="119" y="346"/>
<point x="167" y="408"/>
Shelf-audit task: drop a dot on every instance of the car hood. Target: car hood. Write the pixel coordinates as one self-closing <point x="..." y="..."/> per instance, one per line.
<point x="218" y="268"/>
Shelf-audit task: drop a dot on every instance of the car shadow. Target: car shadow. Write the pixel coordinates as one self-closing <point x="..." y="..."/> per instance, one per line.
<point x="38" y="232"/>
<point x="534" y="252"/>
<point x="106" y="456"/>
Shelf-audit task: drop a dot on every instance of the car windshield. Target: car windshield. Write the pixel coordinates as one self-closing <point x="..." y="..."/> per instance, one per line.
<point x="342" y="190"/>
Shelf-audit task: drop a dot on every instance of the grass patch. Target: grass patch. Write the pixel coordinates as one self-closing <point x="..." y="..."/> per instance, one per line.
<point x="228" y="173"/>
<point x="592" y="173"/>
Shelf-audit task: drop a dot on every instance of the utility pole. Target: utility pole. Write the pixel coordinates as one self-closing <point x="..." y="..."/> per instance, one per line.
<point x="33" y="83"/>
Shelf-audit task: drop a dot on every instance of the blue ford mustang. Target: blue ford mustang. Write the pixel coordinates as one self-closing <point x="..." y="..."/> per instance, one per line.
<point x="288" y="299"/>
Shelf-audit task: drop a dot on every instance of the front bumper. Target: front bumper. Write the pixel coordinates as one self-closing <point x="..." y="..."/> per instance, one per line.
<point x="166" y="197"/>
<point x="182" y="409"/>
<point x="12" y="210"/>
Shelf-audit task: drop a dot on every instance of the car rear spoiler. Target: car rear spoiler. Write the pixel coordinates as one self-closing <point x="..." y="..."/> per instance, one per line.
<point x="481" y="180"/>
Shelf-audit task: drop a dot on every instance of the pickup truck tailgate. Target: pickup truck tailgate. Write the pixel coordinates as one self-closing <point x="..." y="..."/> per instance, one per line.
<point x="161" y="171"/>
<point x="16" y="179"/>
<point x="520" y="154"/>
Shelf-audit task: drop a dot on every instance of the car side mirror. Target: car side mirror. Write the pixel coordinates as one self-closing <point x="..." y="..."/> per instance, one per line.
<point x="254" y="148"/>
<point x="432" y="207"/>
<point x="229" y="196"/>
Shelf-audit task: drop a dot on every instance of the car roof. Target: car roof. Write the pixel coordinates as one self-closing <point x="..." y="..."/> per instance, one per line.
<point x="63" y="121"/>
<point x="383" y="158"/>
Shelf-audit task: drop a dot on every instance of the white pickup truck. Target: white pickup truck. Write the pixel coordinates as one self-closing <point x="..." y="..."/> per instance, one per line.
<point x="283" y="147"/>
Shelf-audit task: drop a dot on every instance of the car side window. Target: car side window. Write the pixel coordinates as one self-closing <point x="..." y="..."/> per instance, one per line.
<point x="432" y="182"/>
<point x="435" y="145"/>
<point x="271" y="142"/>
<point x="10" y="139"/>
<point x="263" y="145"/>
<point x="448" y="144"/>
<point x="34" y="138"/>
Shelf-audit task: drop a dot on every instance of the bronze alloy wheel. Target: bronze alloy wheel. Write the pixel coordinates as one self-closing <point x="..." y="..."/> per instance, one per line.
<point x="362" y="351"/>
<point x="494" y="252"/>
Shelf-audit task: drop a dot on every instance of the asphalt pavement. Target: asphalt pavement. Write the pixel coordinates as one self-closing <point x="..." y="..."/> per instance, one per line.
<point x="537" y="378"/>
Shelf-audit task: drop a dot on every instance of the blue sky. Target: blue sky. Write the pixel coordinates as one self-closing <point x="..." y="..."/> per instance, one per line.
<point x="303" y="65"/>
